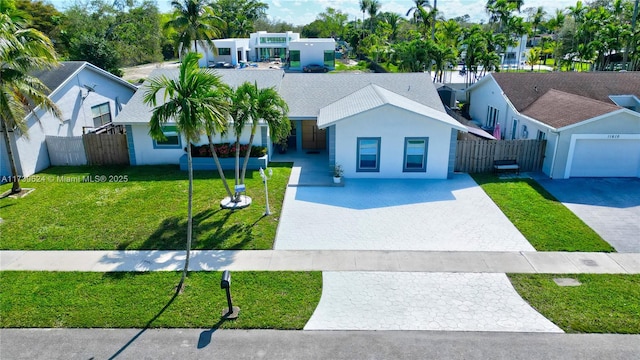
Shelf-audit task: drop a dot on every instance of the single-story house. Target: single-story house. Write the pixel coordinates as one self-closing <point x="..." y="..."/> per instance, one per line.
<point x="373" y="125"/>
<point x="88" y="97"/>
<point x="591" y="120"/>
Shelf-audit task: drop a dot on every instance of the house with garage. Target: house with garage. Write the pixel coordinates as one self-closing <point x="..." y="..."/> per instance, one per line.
<point x="591" y="120"/>
<point x="88" y="97"/>
<point x="373" y="125"/>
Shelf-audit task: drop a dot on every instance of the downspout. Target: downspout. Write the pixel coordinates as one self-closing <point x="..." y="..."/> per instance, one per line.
<point x="555" y="152"/>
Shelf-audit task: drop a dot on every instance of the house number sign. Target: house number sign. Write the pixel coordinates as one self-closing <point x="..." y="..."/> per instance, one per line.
<point x="613" y="136"/>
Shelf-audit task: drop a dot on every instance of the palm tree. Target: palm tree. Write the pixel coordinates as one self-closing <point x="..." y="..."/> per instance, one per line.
<point x="194" y="21"/>
<point x="272" y="109"/>
<point x="364" y="5"/>
<point x="372" y="9"/>
<point x="22" y="50"/>
<point x="217" y="124"/>
<point x="192" y="102"/>
<point x="250" y="105"/>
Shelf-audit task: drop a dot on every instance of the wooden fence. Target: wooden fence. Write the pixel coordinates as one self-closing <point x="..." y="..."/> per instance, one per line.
<point x="66" y="151"/>
<point x="106" y="149"/>
<point x="476" y="156"/>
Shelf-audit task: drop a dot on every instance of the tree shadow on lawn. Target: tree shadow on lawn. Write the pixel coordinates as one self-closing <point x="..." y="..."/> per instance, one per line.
<point x="211" y="230"/>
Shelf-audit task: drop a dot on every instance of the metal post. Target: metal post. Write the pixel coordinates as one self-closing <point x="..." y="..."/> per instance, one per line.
<point x="266" y="190"/>
<point x="229" y="301"/>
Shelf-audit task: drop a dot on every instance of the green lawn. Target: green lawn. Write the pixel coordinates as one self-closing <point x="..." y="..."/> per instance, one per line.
<point x="544" y="221"/>
<point x="267" y="300"/>
<point x="148" y="211"/>
<point x="602" y="304"/>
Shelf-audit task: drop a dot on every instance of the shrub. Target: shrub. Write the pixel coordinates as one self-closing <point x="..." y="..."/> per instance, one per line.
<point x="226" y="150"/>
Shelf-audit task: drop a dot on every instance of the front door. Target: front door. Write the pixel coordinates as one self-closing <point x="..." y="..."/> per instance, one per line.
<point x="312" y="137"/>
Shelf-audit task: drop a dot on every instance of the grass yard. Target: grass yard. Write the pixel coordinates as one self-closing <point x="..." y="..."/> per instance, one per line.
<point x="147" y="211"/>
<point x="602" y="304"/>
<point x="544" y="221"/>
<point x="267" y="300"/>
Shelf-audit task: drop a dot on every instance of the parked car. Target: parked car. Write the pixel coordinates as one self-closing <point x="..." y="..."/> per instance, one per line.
<point x="222" y="65"/>
<point x="315" y="68"/>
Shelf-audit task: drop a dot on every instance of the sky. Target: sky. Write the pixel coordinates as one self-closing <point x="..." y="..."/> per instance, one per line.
<point x="302" y="12"/>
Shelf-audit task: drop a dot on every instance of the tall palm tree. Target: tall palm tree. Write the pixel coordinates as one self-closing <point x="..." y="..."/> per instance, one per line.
<point x="22" y="50"/>
<point x="372" y="9"/>
<point x="271" y="108"/>
<point x="217" y="124"/>
<point x="364" y="5"/>
<point x="195" y="23"/>
<point x="191" y="101"/>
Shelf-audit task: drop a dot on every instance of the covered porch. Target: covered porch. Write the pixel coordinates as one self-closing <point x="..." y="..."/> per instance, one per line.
<point x="310" y="167"/>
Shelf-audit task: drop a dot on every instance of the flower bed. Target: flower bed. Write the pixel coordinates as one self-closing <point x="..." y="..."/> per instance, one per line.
<point x="227" y="150"/>
<point x="228" y="163"/>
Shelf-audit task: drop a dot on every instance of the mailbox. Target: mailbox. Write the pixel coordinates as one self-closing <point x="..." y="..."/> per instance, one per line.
<point x="225" y="282"/>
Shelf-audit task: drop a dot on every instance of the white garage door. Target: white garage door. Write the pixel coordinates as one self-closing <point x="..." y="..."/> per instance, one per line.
<point x="606" y="158"/>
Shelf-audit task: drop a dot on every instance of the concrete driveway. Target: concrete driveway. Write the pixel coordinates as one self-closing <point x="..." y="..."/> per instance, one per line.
<point x="367" y="214"/>
<point x="610" y="206"/>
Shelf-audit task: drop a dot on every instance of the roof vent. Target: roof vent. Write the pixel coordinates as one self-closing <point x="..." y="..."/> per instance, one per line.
<point x="535" y="88"/>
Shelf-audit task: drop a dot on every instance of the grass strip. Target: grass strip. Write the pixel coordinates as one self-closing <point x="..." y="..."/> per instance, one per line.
<point x="544" y="221"/>
<point x="604" y="303"/>
<point x="147" y="211"/>
<point x="267" y="300"/>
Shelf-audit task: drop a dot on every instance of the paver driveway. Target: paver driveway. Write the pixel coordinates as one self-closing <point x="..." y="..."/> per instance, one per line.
<point x="610" y="206"/>
<point x="367" y="214"/>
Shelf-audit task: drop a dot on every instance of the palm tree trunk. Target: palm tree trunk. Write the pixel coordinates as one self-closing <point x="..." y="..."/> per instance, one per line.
<point x="220" y="171"/>
<point x="247" y="155"/>
<point x="236" y="198"/>
<point x="12" y="162"/>
<point x="189" y="221"/>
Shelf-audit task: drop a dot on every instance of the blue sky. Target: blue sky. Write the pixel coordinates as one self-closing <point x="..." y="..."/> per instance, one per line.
<point x="302" y="12"/>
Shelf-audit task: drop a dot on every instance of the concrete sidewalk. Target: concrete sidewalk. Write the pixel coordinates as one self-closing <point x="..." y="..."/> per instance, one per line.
<point x="305" y="260"/>
<point x="282" y="345"/>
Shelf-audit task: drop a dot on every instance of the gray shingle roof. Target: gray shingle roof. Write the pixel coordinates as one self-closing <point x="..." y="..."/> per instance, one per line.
<point x="306" y="94"/>
<point x="55" y="77"/>
<point x="373" y="96"/>
<point x="137" y="111"/>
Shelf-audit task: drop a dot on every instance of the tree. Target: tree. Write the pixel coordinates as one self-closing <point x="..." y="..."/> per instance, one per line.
<point x="194" y="21"/>
<point x="250" y="105"/>
<point x="22" y="51"/>
<point x="238" y="16"/>
<point x="533" y="57"/>
<point x="372" y="9"/>
<point x="192" y="102"/>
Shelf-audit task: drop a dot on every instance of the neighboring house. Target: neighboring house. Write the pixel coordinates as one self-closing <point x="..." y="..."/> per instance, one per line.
<point x="374" y="125"/>
<point x="88" y="97"/>
<point x="286" y="47"/>
<point x="591" y="120"/>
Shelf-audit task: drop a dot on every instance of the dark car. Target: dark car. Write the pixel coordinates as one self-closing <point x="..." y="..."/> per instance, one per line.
<point x="222" y="65"/>
<point x="315" y="68"/>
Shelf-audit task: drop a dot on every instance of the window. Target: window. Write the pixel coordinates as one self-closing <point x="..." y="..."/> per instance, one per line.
<point x="101" y="114"/>
<point x="492" y="117"/>
<point x="368" y="155"/>
<point x="514" y="129"/>
<point x="172" y="140"/>
<point x="415" y="154"/>
<point x="330" y="58"/>
<point x="294" y="58"/>
<point x="541" y="135"/>
<point x="224" y="51"/>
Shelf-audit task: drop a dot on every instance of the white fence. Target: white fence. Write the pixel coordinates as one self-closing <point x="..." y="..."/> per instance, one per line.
<point x="66" y="151"/>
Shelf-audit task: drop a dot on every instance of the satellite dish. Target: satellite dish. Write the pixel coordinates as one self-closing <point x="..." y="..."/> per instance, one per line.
<point x="90" y="88"/>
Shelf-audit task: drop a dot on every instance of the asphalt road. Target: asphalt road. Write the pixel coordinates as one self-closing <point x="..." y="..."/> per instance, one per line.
<point x="273" y="344"/>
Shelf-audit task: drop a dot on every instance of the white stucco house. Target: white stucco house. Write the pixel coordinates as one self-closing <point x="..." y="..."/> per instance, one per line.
<point x="373" y="125"/>
<point x="88" y="97"/>
<point x="288" y="47"/>
<point x="591" y="121"/>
